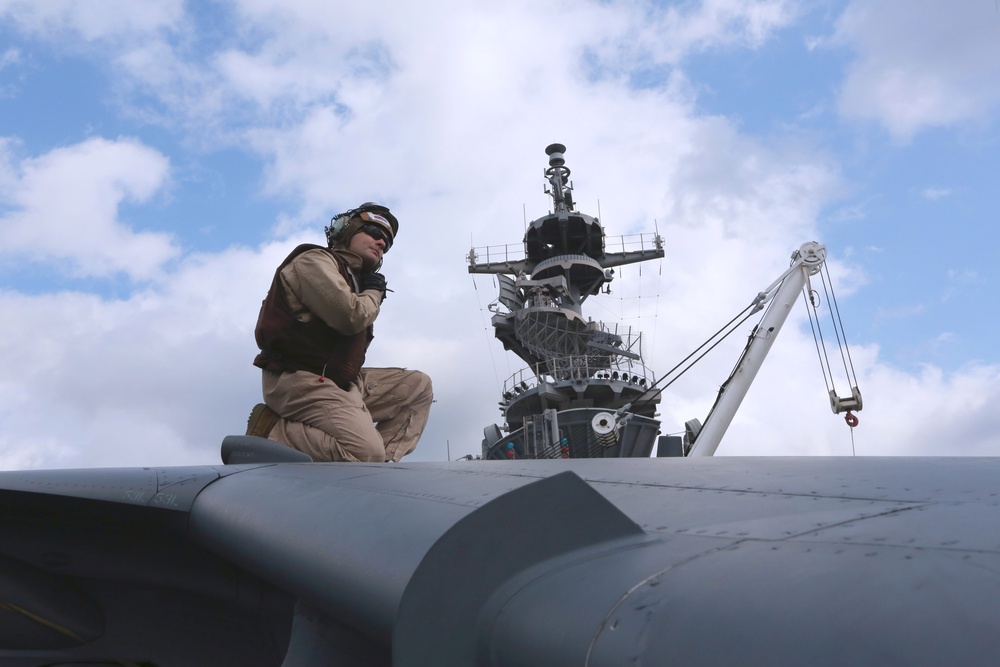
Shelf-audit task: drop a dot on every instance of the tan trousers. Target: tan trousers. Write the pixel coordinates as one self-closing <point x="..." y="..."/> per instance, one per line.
<point x="380" y="418"/>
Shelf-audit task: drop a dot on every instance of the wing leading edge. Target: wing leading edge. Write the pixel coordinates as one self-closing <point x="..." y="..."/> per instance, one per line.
<point x="817" y="561"/>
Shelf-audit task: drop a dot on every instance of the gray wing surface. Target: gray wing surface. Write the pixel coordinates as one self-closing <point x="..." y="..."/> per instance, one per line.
<point x="709" y="561"/>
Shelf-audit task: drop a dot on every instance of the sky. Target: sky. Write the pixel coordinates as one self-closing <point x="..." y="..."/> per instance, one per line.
<point x="159" y="159"/>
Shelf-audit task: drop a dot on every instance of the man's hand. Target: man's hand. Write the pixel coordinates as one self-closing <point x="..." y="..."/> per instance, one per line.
<point x="373" y="280"/>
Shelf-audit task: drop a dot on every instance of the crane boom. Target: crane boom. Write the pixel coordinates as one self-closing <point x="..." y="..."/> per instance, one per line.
<point x="806" y="261"/>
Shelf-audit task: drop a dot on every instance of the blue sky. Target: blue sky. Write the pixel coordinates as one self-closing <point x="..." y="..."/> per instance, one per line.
<point x="158" y="160"/>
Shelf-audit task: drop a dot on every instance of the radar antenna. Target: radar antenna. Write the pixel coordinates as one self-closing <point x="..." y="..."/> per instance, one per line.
<point x="558" y="176"/>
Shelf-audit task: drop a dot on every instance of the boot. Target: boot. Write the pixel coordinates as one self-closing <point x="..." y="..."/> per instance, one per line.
<point x="262" y="420"/>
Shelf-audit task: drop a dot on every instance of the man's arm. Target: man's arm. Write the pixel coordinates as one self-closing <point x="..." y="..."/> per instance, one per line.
<point x="315" y="279"/>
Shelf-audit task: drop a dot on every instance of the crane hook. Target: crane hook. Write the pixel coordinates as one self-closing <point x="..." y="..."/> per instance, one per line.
<point x="851" y="419"/>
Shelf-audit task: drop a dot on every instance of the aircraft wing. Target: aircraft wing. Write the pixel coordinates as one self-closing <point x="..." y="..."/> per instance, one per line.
<point x="819" y="561"/>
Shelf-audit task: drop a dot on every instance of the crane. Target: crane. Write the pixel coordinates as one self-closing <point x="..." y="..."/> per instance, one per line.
<point x="779" y="297"/>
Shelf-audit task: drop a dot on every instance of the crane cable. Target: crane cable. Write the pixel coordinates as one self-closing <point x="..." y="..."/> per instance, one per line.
<point x="763" y="301"/>
<point x="813" y="300"/>
<point x="743" y="355"/>
<point x="725" y="331"/>
<point x="812" y="304"/>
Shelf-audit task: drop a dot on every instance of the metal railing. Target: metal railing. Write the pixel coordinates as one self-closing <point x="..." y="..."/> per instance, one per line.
<point x="581" y="368"/>
<point x="510" y="253"/>
<point x="496" y="254"/>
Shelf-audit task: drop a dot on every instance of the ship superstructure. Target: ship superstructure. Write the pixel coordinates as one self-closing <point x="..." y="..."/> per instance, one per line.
<point x="585" y="392"/>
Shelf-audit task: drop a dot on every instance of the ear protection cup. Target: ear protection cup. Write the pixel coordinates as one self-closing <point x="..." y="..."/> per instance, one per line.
<point x="336" y="231"/>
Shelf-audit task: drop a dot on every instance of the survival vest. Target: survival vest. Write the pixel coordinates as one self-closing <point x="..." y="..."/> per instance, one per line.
<point x="288" y="344"/>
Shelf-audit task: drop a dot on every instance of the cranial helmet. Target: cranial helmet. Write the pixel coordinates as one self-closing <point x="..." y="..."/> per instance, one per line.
<point x="345" y="225"/>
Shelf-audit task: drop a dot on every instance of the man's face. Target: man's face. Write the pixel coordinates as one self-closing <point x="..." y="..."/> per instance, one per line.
<point x="368" y="248"/>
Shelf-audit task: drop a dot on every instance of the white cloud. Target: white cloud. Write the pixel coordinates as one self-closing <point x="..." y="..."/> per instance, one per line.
<point x="900" y="312"/>
<point x="159" y="377"/>
<point x="743" y="23"/>
<point x="64" y="206"/>
<point x="8" y="170"/>
<point x="936" y="193"/>
<point x="920" y="64"/>
<point x="963" y="276"/>
<point x="934" y="413"/>
<point x="443" y="115"/>
<point x="289" y="61"/>
<point x="925" y="413"/>
<point x="11" y="56"/>
<point x="54" y="19"/>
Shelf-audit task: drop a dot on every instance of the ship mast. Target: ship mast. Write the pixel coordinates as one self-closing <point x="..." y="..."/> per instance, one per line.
<point x="581" y="375"/>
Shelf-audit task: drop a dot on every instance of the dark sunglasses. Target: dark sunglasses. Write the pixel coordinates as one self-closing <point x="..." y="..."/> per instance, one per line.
<point x="378" y="234"/>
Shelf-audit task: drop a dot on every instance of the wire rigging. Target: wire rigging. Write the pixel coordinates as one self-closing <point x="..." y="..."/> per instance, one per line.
<point x="725" y="331"/>
<point x="659" y="285"/>
<point x="813" y="303"/>
<point x="835" y="310"/>
<point x="496" y="373"/>
<point x="838" y="404"/>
